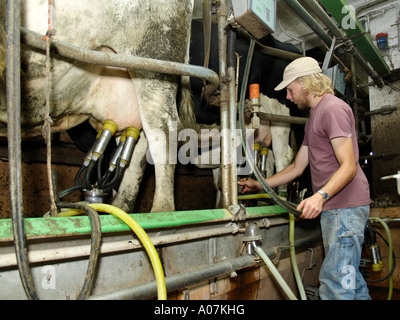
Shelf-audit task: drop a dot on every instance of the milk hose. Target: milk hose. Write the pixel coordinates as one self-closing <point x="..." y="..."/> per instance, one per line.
<point x="293" y="259"/>
<point x="274" y="272"/>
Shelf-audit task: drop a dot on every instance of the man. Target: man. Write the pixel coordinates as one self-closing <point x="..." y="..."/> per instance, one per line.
<point x="341" y="190"/>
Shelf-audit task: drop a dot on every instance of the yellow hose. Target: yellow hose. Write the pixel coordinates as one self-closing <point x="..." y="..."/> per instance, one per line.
<point x="143" y="237"/>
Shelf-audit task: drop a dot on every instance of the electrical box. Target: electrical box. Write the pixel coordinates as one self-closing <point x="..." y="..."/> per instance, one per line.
<point x="257" y="16"/>
<point x="336" y="74"/>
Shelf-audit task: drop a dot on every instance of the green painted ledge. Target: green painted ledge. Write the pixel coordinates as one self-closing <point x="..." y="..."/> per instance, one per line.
<point x="42" y="227"/>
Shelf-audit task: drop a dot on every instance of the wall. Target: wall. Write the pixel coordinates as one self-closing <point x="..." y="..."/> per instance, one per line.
<point x="384" y="126"/>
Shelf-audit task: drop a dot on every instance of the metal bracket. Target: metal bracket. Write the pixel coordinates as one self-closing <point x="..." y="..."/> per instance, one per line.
<point x="238" y="212"/>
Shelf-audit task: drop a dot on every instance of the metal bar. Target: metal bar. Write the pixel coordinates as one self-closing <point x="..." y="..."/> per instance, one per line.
<point x="282" y="118"/>
<point x="178" y="281"/>
<point x="182" y="280"/>
<point x="118" y="60"/>
<point x="63" y="253"/>
<point x="310" y="21"/>
<point x="224" y="107"/>
<point x="231" y="74"/>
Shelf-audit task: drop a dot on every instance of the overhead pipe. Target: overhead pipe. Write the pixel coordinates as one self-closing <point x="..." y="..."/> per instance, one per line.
<point x="67" y="50"/>
<point x="282" y="118"/>
<point x="313" y="24"/>
<point x="275" y="52"/>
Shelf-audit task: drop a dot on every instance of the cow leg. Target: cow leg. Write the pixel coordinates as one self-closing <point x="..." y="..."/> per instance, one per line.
<point x="159" y="114"/>
<point x="129" y="186"/>
<point x="280" y="137"/>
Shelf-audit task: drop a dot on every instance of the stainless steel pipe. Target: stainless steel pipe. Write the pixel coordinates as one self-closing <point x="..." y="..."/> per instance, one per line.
<point x="67" y="50"/>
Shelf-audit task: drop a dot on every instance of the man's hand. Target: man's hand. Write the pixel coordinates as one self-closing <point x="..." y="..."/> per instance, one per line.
<point x="311" y="206"/>
<point x="249" y="184"/>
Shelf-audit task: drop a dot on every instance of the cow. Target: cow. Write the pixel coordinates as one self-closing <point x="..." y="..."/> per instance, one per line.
<point x="267" y="134"/>
<point x="80" y="92"/>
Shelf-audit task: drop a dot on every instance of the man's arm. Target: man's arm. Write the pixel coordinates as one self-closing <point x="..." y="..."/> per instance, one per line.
<point x="286" y="175"/>
<point x="344" y="152"/>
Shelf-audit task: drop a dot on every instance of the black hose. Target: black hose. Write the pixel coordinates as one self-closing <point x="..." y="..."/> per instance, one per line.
<point x="70" y="190"/>
<point x="94" y="245"/>
<point x="288" y="206"/>
<point x="78" y="178"/>
<point x="117" y="175"/>
<point x="13" y="102"/>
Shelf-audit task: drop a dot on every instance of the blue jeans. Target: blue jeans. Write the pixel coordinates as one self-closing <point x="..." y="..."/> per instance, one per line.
<point x="343" y="236"/>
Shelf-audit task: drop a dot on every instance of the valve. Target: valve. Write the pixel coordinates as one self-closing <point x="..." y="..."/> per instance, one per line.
<point x="251" y="235"/>
<point x="255" y="104"/>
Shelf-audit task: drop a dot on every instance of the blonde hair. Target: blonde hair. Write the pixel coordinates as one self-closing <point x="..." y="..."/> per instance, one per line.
<point x="317" y="84"/>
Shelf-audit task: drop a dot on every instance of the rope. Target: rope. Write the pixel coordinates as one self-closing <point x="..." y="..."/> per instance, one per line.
<point x="47" y="121"/>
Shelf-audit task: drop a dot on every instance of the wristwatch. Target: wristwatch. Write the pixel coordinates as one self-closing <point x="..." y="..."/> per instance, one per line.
<point x="324" y="194"/>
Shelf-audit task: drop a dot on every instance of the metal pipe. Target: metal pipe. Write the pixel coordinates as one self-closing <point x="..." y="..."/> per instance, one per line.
<point x="182" y="280"/>
<point x="224" y="107"/>
<point x="310" y="21"/>
<point x="338" y="33"/>
<point x="67" y="50"/>
<point x="283" y="54"/>
<point x="282" y="118"/>
<point x="54" y="254"/>
<point x="356" y="31"/>
<point x="13" y="101"/>
<point x="179" y="281"/>
<point x="231" y="75"/>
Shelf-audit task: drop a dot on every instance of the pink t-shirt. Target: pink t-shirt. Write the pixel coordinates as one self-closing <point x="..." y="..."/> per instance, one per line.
<point x="333" y="118"/>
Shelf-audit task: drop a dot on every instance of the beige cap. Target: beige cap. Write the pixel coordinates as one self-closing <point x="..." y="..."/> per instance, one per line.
<point x="300" y="67"/>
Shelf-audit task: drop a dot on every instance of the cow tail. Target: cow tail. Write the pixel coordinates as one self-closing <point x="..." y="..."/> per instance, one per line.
<point x="186" y="112"/>
<point x="186" y="107"/>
